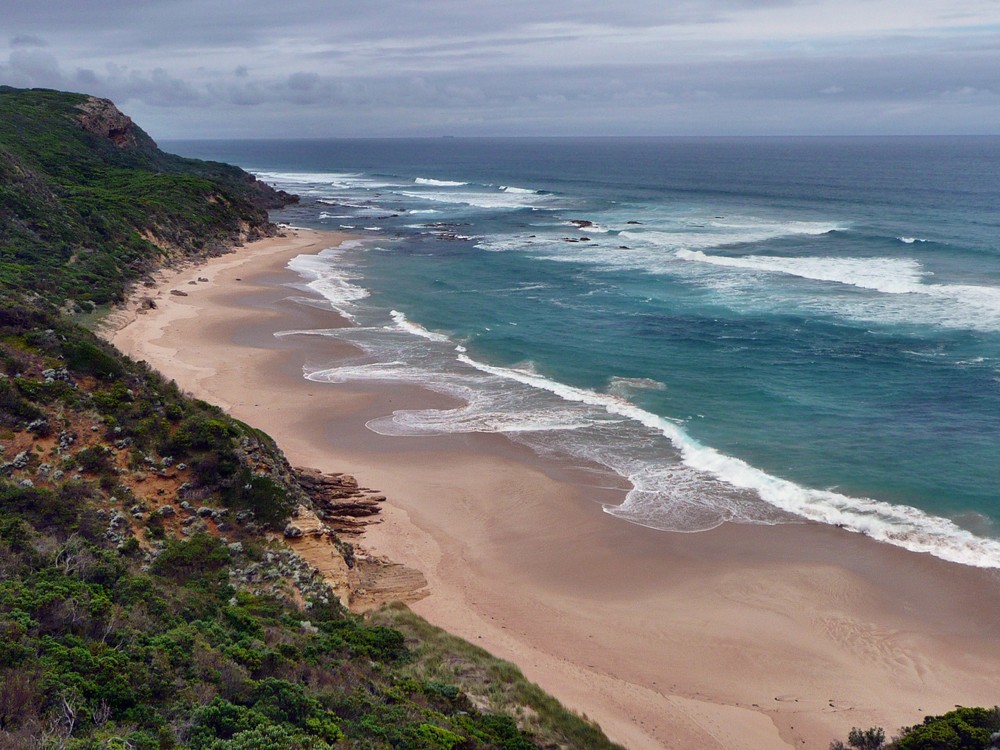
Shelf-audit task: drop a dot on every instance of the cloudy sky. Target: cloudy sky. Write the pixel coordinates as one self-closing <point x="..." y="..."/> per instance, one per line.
<point x="317" y="68"/>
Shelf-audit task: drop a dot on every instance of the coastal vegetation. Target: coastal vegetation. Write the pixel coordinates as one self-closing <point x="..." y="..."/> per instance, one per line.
<point x="88" y="203"/>
<point x="961" y="729"/>
<point x="147" y="598"/>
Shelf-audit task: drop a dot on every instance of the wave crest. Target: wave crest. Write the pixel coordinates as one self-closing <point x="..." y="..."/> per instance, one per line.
<point x="891" y="275"/>
<point x="438" y="183"/>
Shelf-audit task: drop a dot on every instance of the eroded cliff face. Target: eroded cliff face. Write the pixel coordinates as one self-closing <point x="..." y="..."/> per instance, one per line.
<point x="102" y="118"/>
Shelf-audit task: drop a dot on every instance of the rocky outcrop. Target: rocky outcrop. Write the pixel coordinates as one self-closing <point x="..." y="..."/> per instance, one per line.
<point x="102" y="118"/>
<point x="361" y="581"/>
<point x="266" y="197"/>
<point x="338" y="501"/>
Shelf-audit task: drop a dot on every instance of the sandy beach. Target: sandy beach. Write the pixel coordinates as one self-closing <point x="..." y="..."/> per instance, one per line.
<point x="743" y="637"/>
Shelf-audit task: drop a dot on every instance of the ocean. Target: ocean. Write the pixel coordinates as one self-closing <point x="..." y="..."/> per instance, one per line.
<point x="748" y="330"/>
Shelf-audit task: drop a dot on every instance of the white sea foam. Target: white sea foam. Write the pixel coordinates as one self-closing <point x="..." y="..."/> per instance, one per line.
<point x="897" y="524"/>
<point x="477" y="199"/>
<point x="720" y="234"/>
<point x="591" y="228"/>
<point x="424" y="211"/>
<point x="737" y="279"/>
<point x="338" y="180"/>
<point x="484" y="409"/>
<point x="358" y="210"/>
<point x="517" y="190"/>
<point x="890" y="275"/>
<point x="415" y="328"/>
<point x="438" y="183"/>
<point x="624" y="387"/>
<point x="476" y="417"/>
<point x="911" y="240"/>
<point x="504" y="243"/>
<point x="307" y="178"/>
<point x="910" y="298"/>
<point x="651" y="249"/>
<point x="306" y="332"/>
<point x="332" y="281"/>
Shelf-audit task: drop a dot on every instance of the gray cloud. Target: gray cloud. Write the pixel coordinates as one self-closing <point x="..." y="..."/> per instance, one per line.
<point x="189" y="68"/>
<point x="26" y="40"/>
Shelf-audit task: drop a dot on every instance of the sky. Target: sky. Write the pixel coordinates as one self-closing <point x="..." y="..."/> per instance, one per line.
<point x="343" y="68"/>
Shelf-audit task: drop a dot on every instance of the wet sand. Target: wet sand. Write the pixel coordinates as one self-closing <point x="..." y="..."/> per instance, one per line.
<point x="742" y="637"/>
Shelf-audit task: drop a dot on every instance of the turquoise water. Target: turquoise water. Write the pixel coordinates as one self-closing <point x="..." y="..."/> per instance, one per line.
<point x="750" y="330"/>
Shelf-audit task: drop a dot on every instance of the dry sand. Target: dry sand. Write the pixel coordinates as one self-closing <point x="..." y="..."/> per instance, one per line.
<point x="742" y="637"/>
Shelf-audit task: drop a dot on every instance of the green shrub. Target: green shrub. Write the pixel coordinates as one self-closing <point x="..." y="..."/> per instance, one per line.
<point x="372" y="641"/>
<point x="961" y="729"/>
<point x="200" y="433"/>
<point x="14" y="408"/>
<point x="88" y="357"/>
<point x="428" y="737"/>
<point x="862" y="739"/>
<point x="198" y="557"/>
<point x="94" y="460"/>
<point x="269" y="501"/>
<point x="283" y="701"/>
<point x="221" y="719"/>
<point x="42" y="506"/>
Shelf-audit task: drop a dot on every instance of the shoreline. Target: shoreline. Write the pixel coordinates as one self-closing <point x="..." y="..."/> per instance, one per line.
<point x="740" y="637"/>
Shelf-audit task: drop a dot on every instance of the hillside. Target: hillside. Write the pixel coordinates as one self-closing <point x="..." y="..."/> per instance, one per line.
<point x="147" y="597"/>
<point x="88" y="202"/>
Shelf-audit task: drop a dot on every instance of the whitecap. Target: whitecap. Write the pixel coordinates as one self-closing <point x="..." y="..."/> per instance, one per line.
<point x="713" y="234"/>
<point x="438" y="183"/>
<point x="890" y="275"/>
<point x="404" y="324"/>
<point x="913" y="300"/>
<point x="476" y="199"/>
<point x="338" y="180"/>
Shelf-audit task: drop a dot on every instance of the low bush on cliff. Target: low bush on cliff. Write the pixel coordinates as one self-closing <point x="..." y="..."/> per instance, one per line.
<point x="440" y="662"/>
<point x="107" y="644"/>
